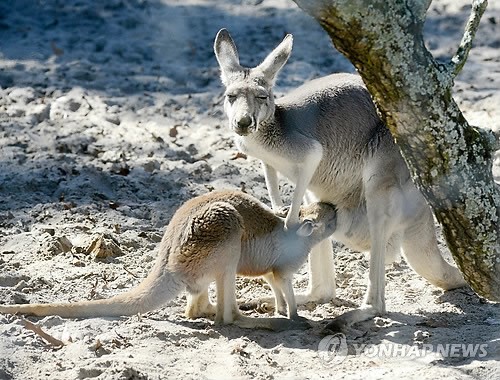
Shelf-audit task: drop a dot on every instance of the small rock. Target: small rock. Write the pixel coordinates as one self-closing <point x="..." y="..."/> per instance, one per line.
<point x="8" y="216"/>
<point x="22" y="95"/>
<point x="113" y="119"/>
<point x="74" y="102"/>
<point x="102" y="248"/>
<point x="41" y="112"/>
<point x="21" y="285"/>
<point x="13" y="297"/>
<point x="12" y="280"/>
<point x="58" y="244"/>
<point x="237" y="155"/>
<point x="225" y="170"/>
<point x="433" y="322"/>
<point x="151" y="166"/>
<point x="173" y="131"/>
<point x="153" y="236"/>
<point x="78" y="263"/>
<point x="16" y="112"/>
<point x="192" y="150"/>
<point x="74" y="106"/>
<point x="201" y="170"/>
<point x="421" y="336"/>
<point x="49" y="230"/>
<point x="65" y="243"/>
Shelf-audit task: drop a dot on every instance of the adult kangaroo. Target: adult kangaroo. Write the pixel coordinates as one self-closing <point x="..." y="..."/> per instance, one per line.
<point x="327" y="138"/>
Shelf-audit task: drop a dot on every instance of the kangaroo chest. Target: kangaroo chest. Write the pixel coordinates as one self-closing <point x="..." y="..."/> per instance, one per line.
<point x="268" y="154"/>
<point x="336" y="181"/>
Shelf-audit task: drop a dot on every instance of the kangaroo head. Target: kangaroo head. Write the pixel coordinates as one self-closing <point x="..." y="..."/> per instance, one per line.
<point x="249" y="97"/>
<point x="317" y="221"/>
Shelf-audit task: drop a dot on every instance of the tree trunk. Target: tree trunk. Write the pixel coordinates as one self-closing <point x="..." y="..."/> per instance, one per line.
<point x="450" y="161"/>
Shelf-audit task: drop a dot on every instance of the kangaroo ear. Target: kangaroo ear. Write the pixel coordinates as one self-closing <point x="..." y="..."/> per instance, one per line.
<point x="226" y="54"/>
<point x="277" y="58"/>
<point x="306" y="228"/>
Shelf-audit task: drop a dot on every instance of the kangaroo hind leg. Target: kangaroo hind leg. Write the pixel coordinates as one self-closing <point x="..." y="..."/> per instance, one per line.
<point x="281" y="284"/>
<point x="225" y="281"/>
<point x="199" y="305"/>
<point x="383" y="199"/>
<point x="280" y="305"/>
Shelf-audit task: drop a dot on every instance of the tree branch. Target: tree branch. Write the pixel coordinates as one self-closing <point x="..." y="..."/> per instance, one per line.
<point x="458" y="60"/>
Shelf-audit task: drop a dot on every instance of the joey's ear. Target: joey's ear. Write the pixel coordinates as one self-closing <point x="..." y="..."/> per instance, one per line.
<point x="306" y="228"/>
<point x="226" y="54"/>
<point x="277" y="58"/>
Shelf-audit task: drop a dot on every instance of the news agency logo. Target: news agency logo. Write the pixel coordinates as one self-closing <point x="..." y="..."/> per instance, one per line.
<point x="333" y="350"/>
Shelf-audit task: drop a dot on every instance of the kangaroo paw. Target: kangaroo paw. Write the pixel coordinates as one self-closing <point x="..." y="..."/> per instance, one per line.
<point x="343" y="321"/>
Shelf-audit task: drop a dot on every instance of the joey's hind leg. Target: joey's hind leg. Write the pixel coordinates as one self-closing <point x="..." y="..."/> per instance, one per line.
<point x="227" y="309"/>
<point x="280" y="303"/>
<point x="321" y="287"/>
<point x="282" y="287"/>
<point x="284" y="284"/>
<point x="225" y="281"/>
<point x="199" y="305"/>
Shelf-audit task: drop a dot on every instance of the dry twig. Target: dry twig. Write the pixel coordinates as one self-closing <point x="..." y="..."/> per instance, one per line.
<point x="38" y="330"/>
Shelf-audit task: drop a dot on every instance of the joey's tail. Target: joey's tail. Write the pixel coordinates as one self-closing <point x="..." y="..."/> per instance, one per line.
<point x="158" y="288"/>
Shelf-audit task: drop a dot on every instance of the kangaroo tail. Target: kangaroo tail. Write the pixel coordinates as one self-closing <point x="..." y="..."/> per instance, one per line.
<point x="422" y="253"/>
<point x="155" y="290"/>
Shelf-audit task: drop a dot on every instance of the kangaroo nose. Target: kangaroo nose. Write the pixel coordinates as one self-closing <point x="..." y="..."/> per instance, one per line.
<point x="245" y="122"/>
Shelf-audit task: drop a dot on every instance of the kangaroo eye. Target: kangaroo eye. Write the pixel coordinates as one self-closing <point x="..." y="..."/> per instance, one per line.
<point x="262" y="97"/>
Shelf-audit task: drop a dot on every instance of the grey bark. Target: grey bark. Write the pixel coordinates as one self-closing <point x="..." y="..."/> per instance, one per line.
<point x="450" y="160"/>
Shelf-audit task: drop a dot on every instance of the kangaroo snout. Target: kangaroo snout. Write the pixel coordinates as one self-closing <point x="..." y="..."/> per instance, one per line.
<point x="245" y="122"/>
<point x="244" y="125"/>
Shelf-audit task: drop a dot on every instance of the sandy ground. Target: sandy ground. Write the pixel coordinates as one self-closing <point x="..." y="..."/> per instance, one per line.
<point x="111" y="117"/>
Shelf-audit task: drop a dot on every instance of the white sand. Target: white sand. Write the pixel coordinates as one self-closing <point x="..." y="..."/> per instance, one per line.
<point x="111" y="117"/>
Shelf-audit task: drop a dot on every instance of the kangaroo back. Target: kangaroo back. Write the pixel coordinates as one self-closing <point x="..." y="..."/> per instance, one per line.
<point x="335" y="110"/>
